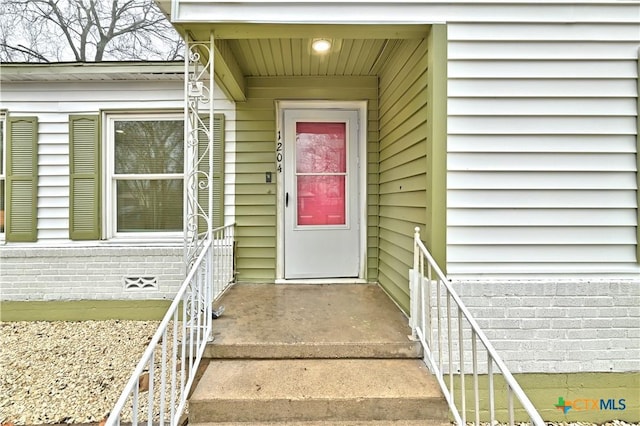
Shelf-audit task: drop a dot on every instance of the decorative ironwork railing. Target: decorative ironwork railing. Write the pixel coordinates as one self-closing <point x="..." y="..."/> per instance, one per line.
<point x="449" y="336"/>
<point x="198" y="150"/>
<point x="157" y="391"/>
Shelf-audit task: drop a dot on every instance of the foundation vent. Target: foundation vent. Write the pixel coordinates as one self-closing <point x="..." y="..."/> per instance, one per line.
<point x="140" y="283"/>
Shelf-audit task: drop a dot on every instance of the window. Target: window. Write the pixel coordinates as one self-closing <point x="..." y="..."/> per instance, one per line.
<point x="2" y="175"/>
<point x="145" y="162"/>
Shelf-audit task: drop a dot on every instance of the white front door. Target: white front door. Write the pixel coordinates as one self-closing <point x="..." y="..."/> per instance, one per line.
<point x="321" y="206"/>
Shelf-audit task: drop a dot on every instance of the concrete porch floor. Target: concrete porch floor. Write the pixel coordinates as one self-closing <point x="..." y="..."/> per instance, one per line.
<point x="310" y="321"/>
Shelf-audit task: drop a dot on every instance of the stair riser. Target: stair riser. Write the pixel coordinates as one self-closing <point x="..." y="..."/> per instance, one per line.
<point x="317" y="410"/>
<point x="333" y="423"/>
<point x="382" y="351"/>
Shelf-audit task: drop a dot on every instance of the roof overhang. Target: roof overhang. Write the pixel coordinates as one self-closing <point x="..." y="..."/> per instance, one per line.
<point x="244" y="50"/>
<point x="244" y="30"/>
<point x="393" y="12"/>
<point x="92" y="71"/>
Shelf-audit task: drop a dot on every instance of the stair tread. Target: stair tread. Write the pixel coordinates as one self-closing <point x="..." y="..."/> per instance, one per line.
<point x="305" y="379"/>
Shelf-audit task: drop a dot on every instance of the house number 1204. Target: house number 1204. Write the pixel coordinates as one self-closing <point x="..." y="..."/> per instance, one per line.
<point x="279" y="149"/>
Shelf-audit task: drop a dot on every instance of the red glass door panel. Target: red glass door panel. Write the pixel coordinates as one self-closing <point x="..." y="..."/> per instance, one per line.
<point x="321" y="168"/>
<point x="321" y="200"/>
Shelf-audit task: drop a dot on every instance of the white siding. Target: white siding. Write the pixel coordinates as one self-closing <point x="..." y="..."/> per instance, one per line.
<point x="542" y="150"/>
<point x="53" y="102"/>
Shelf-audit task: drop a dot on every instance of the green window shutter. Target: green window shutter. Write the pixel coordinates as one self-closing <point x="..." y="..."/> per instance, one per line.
<point x="638" y="164"/>
<point x="218" y="170"/>
<point x="22" y="179"/>
<point x="84" y="179"/>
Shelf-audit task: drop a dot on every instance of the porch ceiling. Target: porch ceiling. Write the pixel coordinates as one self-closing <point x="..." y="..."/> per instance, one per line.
<point x="284" y="50"/>
<point x="294" y="57"/>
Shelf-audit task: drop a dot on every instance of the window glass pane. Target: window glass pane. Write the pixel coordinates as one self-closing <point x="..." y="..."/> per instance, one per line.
<point x="153" y="146"/>
<point x="1" y="205"/>
<point x="1" y="174"/>
<point x="321" y="200"/>
<point x="321" y="147"/>
<point x="1" y="147"/>
<point x="149" y="205"/>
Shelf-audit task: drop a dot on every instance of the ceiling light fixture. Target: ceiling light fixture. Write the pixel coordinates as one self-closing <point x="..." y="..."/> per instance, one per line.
<point x="321" y="45"/>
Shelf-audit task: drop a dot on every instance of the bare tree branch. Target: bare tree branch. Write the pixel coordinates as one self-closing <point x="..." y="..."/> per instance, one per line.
<point x="26" y="50"/>
<point x="86" y="30"/>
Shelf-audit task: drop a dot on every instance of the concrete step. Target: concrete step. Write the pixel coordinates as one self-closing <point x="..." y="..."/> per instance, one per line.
<point x="306" y="390"/>
<point x="332" y="423"/>
<point x="310" y="321"/>
<point x="313" y="350"/>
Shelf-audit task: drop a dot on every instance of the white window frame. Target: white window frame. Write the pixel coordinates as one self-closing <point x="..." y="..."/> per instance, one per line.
<point x="110" y="181"/>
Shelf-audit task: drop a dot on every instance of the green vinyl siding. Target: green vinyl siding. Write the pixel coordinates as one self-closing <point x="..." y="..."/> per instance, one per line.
<point x="84" y="179"/>
<point x="22" y="179"/>
<point x="255" y="155"/>
<point x="412" y="186"/>
<point x="403" y="163"/>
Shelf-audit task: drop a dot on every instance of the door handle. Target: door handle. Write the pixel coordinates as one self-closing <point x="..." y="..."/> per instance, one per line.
<point x="286" y="200"/>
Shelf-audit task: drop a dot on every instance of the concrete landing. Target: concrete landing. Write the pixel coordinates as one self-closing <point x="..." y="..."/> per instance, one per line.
<point x="266" y="321"/>
<point x="328" y="390"/>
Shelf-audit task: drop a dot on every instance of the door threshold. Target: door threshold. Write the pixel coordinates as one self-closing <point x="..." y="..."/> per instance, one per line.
<point x="322" y="281"/>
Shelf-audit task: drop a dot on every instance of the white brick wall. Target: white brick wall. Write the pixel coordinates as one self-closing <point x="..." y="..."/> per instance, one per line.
<point x="87" y="272"/>
<point x="559" y="326"/>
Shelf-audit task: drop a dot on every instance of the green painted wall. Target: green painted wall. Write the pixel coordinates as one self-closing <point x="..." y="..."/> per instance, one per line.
<point x="403" y="163"/>
<point x="434" y="233"/>
<point x="544" y="389"/>
<point x="255" y="155"/>
<point x="83" y="310"/>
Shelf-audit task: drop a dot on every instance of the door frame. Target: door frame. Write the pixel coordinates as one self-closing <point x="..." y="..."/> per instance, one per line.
<point x="361" y="108"/>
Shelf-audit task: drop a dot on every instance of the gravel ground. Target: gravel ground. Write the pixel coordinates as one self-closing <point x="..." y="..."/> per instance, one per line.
<point x="73" y="372"/>
<point x="66" y="372"/>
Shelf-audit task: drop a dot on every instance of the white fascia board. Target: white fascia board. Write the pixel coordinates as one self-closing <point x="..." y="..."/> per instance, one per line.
<point x="406" y="12"/>
<point x="74" y="71"/>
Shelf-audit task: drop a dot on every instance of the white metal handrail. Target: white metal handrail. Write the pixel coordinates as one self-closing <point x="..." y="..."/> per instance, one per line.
<point x="443" y="339"/>
<point x="167" y="369"/>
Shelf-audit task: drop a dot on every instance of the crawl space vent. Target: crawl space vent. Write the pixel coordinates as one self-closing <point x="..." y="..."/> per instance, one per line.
<point x="140" y="283"/>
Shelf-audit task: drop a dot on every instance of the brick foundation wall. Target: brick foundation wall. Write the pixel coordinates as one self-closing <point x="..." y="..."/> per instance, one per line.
<point x="559" y="326"/>
<point x="88" y="272"/>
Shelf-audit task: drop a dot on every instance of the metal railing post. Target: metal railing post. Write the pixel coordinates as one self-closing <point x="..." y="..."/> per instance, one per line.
<point x="413" y="285"/>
